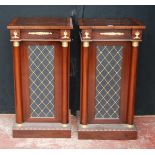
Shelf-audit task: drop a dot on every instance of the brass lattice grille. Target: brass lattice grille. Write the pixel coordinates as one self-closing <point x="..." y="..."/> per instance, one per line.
<point x="41" y="68"/>
<point x="108" y="77"/>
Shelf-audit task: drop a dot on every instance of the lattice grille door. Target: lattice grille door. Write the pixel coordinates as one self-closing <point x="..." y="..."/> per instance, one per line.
<point x="41" y="77"/>
<point x="108" y="77"/>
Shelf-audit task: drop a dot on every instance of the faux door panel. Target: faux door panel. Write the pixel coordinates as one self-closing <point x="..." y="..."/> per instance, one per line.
<point x="108" y="73"/>
<point x="41" y="81"/>
<point x="41" y="77"/>
<point x="108" y="77"/>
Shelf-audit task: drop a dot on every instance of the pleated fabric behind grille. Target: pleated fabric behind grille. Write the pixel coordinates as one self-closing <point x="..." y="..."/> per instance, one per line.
<point x="108" y="77"/>
<point x="41" y="70"/>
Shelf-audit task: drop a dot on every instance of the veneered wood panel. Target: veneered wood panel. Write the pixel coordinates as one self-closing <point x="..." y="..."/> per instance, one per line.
<point x="110" y="23"/>
<point x="40" y="23"/>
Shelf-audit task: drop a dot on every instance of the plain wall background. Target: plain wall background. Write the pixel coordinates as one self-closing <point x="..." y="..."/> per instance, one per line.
<point x="145" y="94"/>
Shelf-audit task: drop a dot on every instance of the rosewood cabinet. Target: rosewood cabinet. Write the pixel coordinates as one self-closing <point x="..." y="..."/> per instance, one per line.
<point x="41" y="76"/>
<point x="109" y="55"/>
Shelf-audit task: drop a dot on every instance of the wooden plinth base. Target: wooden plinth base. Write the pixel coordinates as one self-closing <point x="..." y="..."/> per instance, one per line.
<point x="107" y="132"/>
<point x="41" y="130"/>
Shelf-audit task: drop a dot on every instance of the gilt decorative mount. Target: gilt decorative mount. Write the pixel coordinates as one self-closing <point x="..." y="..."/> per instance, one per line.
<point x="15" y="35"/>
<point x="112" y="33"/>
<point x="65" y="35"/>
<point x="86" y="35"/>
<point x="40" y="33"/>
<point x="137" y="35"/>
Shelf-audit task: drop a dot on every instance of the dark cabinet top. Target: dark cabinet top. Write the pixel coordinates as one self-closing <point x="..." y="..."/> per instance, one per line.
<point x="110" y="23"/>
<point x="41" y="23"/>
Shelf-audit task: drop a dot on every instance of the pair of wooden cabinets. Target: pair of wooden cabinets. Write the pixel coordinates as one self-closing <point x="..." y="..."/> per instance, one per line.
<point x="41" y="57"/>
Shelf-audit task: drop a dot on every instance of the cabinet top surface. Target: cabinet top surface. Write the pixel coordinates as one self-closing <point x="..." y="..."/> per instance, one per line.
<point x="110" y="23"/>
<point x="40" y="23"/>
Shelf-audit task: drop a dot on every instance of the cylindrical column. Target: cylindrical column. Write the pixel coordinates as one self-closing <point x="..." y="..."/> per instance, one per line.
<point x="17" y="82"/>
<point x="84" y="100"/>
<point x="65" y="84"/>
<point x="132" y="85"/>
